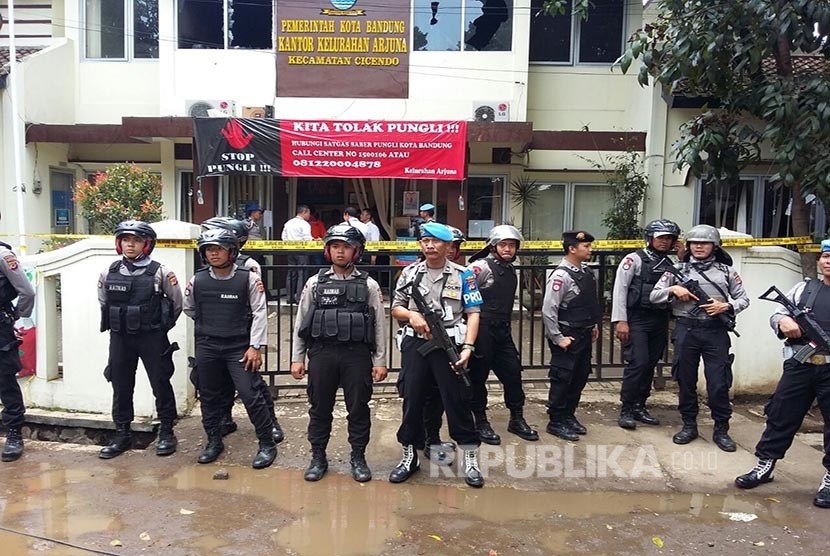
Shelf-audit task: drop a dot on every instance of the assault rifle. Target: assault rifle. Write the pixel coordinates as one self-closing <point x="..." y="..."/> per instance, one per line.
<point x="440" y="339"/>
<point x="693" y="286"/>
<point x="811" y="330"/>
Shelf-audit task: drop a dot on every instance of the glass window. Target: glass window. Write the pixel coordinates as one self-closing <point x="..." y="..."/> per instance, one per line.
<point x="601" y="35"/>
<point x="723" y="204"/>
<point x="437" y="25"/>
<point x="590" y="202"/>
<point x="546" y="219"/>
<point x="146" y="29"/>
<point x="250" y="24"/>
<point x="488" y="25"/>
<point x="484" y="202"/>
<point x="201" y="23"/>
<point x="105" y="21"/>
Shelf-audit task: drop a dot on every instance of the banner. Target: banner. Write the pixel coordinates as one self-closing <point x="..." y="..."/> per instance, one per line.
<point x="377" y="149"/>
<point x="323" y="148"/>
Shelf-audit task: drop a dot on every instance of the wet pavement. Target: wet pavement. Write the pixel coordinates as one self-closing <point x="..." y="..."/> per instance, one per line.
<point x="613" y="492"/>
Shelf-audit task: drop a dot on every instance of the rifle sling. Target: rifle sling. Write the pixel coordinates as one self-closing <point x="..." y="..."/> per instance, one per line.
<point x="417" y="284"/>
<point x="717" y="287"/>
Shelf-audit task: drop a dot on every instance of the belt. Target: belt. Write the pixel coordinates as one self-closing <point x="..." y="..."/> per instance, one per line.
<point x="815" y="359"/>
<point x="701" y="323"/>
<point x="457" y="332"/>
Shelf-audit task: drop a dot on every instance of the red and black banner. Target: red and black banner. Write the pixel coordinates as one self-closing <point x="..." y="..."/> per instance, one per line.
<point x="309" y="148"/>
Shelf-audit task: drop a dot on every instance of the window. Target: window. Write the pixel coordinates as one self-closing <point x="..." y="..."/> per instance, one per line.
<point x="566" y="206"/>
<point x="63" y="207"/>
<point x="470" y="25"/>
<point x="202" y="24"/>
<point x="484" y="204"/>
<point x="755" y="205"/>
<point x="121" y="29"/>
<point x="566" y="38"/>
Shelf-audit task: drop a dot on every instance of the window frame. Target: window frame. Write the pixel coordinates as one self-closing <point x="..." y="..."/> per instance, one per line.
<point x="576" y="35"/>
<point x="463" y="31"/>
<point x="570" y="188"/>
<point x="129" y="36"/>
<point x="226" y="46"/>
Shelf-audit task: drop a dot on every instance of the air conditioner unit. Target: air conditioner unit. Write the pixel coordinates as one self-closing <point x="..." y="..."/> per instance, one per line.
<point x="209" y="108"/>
<point x="491" y="111"/>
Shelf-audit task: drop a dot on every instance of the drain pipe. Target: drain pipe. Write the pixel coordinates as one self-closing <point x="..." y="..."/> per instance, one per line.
<point x="16" y="148"/>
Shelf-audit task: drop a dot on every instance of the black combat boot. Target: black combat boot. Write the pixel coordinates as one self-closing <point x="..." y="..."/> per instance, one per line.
<point x="267" y="453"/>
<point x="758" y="475"/>
<point x="642" y="415"/>
<point x="822" y="499"/>
<point x="228" y="425"/>
<point x="214" y="447"/>
<point x="472" y="474"/>
<point x="120" y="443"/>
<point x="360" y="469"/>
<point x="485" y="431"/>
<point x="687" y="433"/>
<point x="721" y="437"/>
<point x="518" y="426"/>
<point x="558" y="427"/>
<point x="167" y="441"/>
<point x="407" y="467"/>
<point x="276" y="432"/>
<point x="627" y="420"/>
<point x="318" y="465"/>
<point x="14" y="445"/>
<point x="575" y="425"/>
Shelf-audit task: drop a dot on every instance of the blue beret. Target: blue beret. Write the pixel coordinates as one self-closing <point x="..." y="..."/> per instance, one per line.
<point x="825" y="245"/>
<point x="436" y="230"/>
<point x="427" y="206"/>
<point x="251" y="208"/>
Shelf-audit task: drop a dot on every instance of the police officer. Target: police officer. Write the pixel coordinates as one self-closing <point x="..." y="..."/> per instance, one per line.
<point x="452" y="291"/>
<point x="240" y="230"/>
<point x="497" y="281"/>
<point x="228" y="304"/>
<point x="13" y="285"/>
<point x="641" y="328"/>
<point x="253" y="215"/>
<point x="140" y="301"/>
<point x="800" y="384"/>
<point x="701" y="333"/>
<point x="571" y="313"/>
<point x="340" y="326"/>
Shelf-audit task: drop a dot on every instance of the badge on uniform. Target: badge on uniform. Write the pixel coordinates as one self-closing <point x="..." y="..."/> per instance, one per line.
<point x="260" y="287"/>
<point x="172" y="278"/>
<point x="11" y="261"/>
<point x="557" y="284"/>
<point x="627" y="263"/>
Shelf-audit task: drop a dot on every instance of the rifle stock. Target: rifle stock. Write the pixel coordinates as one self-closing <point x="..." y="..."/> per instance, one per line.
<point x="817" y="337"/>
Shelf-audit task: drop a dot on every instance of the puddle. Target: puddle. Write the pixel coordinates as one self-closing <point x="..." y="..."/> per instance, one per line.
<point x="279" y="511"/>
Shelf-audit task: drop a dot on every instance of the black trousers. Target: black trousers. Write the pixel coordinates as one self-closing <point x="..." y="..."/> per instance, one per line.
<point x="218" y="368"/>
<point x="420" y="375"/>
<point x="649" y="332"/>
<point x="495" y="350"/>
<point x="711" y="342"/>
<point x="296" y="276"/>
<point x="334" y="365"/>
<point x="433" y="411"/>
<point x="800" y="384"/>
<point x="155" y="352"/>
<point x="230" y="394"/>
<point x="568" y="373"/>
<point x="10" y="394"/>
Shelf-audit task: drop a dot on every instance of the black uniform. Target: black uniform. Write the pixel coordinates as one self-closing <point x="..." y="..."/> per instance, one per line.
<point x="230" y="315"/>
<point x="340" y="327"/>
<point x="13" y="285"/>
<point x="140" y="302"/>
<point x="571" y="308"/>
<point x="648" y="323"/>
<point x="495" y="348"/>
<point x="800" y="383"/>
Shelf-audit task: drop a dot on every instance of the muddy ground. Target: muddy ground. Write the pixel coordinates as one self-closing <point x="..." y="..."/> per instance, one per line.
<point x="613" y="492"/>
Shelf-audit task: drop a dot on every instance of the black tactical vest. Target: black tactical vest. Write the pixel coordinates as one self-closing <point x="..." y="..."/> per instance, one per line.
<point x="241" y="260"/>
<point x="341" y="311"/>
<point x="583" y="311"/>
<point x="642" y="284"/>
<point x="498" y="296"/>
<point x="223" y="309"/>
<point x="133" y="305"/>
<point x="819" y="305"/>
<point x="8" y="292"/>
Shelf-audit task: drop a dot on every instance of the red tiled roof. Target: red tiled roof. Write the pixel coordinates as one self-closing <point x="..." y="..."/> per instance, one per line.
<point x="21" y="52"/>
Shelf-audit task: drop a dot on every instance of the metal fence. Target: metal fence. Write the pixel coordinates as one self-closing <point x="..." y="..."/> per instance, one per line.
<point x="528" y="328"/>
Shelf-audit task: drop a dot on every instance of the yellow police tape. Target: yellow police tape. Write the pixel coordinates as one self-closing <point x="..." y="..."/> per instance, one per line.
<point x="803" y="243"/>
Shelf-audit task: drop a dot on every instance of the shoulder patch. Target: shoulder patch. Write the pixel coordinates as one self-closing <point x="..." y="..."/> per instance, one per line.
<point x="556" y="284"/>
<point x="11" y="261"/>
<point x="627" y="263"/>
<point x="172" y="279"/>
<point x="738" y="279"/>
<point x="259" y="286"/>
<point x="189" y="288"/>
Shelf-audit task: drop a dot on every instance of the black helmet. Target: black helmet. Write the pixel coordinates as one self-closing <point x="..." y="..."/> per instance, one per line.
<point x="661" y="227"/>
<point x="347" y="233"/>
<point x="238" y="227"/>
<point x="139" y="229"/>
<point x="222" y="238"/>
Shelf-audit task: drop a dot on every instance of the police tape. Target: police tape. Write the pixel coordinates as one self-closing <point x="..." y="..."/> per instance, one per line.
<point x="803" y="243"/>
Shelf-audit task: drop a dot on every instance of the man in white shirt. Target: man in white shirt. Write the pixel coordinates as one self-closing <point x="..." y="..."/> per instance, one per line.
<point x="297" y="229"/>
<point x="351" y="216"/>
<point x="372" y="231"/>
